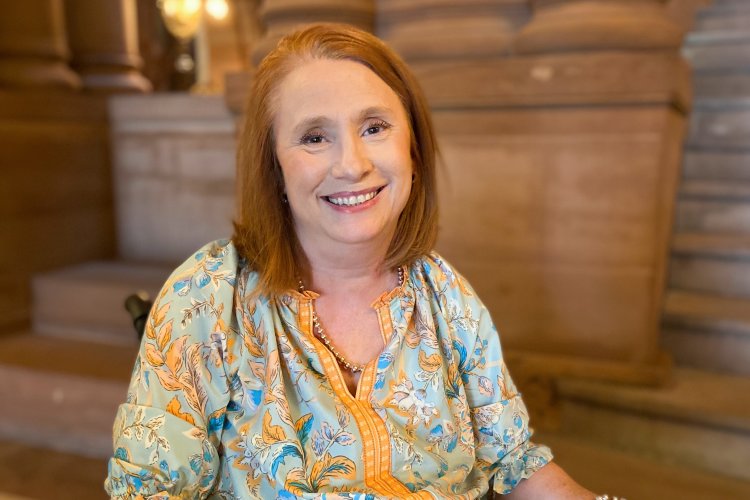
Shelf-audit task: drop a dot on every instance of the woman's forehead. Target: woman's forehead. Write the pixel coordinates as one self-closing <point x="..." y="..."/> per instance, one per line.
<point x="322" y="87"/>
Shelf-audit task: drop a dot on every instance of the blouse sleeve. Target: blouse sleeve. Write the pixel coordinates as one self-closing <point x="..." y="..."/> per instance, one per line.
<point x="167" y="432"/>
<point x="499" y="416"/>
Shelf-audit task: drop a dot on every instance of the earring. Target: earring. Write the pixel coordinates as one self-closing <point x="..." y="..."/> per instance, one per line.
<point x="284" y="199"/>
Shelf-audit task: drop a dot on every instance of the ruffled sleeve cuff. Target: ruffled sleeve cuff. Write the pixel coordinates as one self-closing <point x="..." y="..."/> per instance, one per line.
<point x="503" y="443"/>
<point x="159" y="456"/>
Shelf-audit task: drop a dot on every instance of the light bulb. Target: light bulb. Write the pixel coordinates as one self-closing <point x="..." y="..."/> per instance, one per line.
<point x="218" y="9"/>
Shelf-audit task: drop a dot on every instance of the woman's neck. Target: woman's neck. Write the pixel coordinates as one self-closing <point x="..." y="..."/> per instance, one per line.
<point x="346" y="270"/>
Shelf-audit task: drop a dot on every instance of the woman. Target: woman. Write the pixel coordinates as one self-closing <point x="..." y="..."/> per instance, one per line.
<point x="325" y="350"/>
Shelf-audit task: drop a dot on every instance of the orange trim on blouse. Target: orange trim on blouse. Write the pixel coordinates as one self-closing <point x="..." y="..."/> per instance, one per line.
<point x="376" y="443"/>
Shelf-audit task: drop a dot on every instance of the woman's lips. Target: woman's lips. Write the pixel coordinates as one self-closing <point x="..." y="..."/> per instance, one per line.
<point x="352" y="199"/>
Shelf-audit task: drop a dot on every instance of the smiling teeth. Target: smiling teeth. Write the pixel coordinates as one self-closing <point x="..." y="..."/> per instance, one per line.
<point x="350" y="201"/>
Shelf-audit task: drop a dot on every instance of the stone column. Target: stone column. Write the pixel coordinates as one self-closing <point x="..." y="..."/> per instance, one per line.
<point x="576" y="25"/>
<point x="33" y="47"/>
<point x="283" y="16"/>
<point x="104" y="42"/>
<point x="561" y="142"/>
<point x="423" y="30"/>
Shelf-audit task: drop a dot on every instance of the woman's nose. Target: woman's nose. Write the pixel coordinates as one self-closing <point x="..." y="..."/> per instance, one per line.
<point x="352" y="162"/>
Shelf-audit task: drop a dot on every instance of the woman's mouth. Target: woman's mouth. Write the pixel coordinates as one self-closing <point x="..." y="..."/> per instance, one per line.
<point x="352" y="200"/>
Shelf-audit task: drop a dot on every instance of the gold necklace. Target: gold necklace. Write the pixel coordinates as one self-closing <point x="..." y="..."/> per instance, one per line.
<point x="322" y="334"/>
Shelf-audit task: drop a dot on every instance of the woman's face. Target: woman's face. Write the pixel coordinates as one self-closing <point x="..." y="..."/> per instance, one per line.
<point x="343" y="142"/>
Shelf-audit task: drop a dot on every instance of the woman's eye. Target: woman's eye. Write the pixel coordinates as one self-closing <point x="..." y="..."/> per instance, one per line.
<point x="376" y="128"/>
<point x="313" y="138"/>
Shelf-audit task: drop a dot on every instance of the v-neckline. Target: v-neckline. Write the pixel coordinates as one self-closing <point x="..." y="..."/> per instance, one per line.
<point x="331" y="367"/>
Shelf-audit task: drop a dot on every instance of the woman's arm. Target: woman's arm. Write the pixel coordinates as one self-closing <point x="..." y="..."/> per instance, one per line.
<point x="549" y="482"/>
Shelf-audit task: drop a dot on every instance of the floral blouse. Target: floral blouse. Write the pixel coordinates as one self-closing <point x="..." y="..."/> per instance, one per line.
<point x="232" y="396"/>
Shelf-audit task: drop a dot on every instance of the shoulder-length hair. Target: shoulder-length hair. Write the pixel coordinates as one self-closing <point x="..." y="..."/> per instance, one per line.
<point x="264" y="232"/>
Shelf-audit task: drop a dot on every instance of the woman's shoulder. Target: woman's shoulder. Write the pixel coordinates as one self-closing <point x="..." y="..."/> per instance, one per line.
<point x="436" y="273"/>
<point x="213" y="268"/>
<point x="197" y="299"/>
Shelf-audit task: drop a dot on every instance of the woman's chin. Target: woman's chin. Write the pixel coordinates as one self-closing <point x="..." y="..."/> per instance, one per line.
<point x="359" y="235"/>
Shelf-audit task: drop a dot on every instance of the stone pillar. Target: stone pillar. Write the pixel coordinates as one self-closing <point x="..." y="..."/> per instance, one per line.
<point x="423" y="30"/>
<point x="576" y="25"/>
<point x="104" y="42"/>
<point x="33" y="47"/>
<point x="283" y="16"/>
<point x="561" y="142"/>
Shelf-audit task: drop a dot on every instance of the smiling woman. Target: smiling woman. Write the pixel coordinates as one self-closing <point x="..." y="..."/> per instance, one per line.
<point x="387" y="380"/>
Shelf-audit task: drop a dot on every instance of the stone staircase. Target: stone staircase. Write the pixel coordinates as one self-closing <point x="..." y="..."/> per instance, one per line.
<point x="85" y="302"/>
<point x="699" y="420"/>
<point x="63" y="380"/>
<point x="707" y="312"/>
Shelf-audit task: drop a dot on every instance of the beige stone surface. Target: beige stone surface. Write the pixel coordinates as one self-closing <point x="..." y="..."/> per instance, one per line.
<point x="712" y="244"/>
<point x="713" y="216"/>
<point x="719" y="276"/>
<point x="636" y="477"/>
<point x="697" y="421"/>
<point x="174" y="164"/>
<point x="558" y="218"/>
<point x="53" y="403"/>
<point x="578" y="25"/>
<point x="87" y="301"/>
<point x="708" y="330"/>
<point x="728" y="313"/>
<point x="422" y="30"/>
<point x="603" y="77"/>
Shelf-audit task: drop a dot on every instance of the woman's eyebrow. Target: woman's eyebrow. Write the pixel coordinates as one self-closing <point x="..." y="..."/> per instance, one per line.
<point x="315" y="121"/>
<point x="311" y="122"/>
<point x="374" y="111"/>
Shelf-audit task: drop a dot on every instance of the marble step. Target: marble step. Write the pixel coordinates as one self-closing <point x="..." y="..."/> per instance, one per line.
<point x="718" y="50"/>
<point x="720" y="123"/>
<point x="720" y="276"/>
<point x="31" y="473"/>
<point x="707" y="331"/>
<point x="698" y="419"/>
<point x="713" y="189"/>
<point x="62" y="394"/>
<point x="86" y="301"/>
<point x="717" y="164"/>
<point x="712" y="216"/>
<point x="604" y="470"/>
<point x="707" y="311"/>
<point x="720" y="85"/>
<point x="716" y="245"/>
